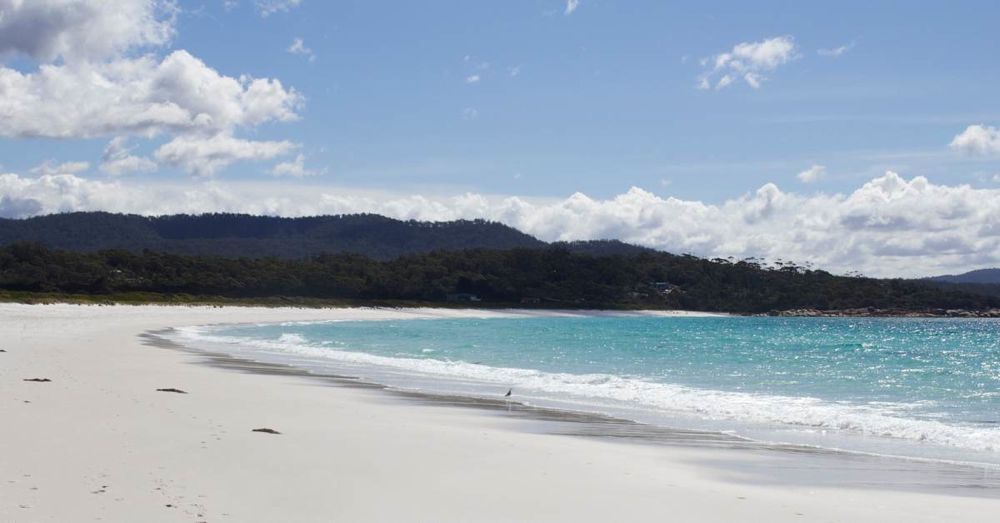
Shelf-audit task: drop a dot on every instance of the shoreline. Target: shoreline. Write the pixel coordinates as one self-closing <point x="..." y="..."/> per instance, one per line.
<point x="591" y="424"/>
<point x="766" y="419"/>
<point x="101" y="441"/>
<point x="283" y="302"/>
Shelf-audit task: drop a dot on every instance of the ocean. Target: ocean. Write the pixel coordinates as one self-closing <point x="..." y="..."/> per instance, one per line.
<point x="917" y="388"/>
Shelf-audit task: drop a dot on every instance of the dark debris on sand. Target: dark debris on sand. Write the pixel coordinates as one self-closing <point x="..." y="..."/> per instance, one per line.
<point x="267" y="431"/>
<point x="38" y="380"/>
<point x="176" y="391"/>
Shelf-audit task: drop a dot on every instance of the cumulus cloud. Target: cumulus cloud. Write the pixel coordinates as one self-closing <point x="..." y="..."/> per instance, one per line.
<point x="890" y="226"/>
<point x="571" y="6"/>
<point x="205" y="156"/>
<point x="136" y="96"/>
<point x="295" y="168"/>
<point x="269" y="7"/>
<point x="472" y="79"/>
<point x="82" y="29"/>
<point x="812" y="174"/>
<point x="747" y="61"/>
<point x="22" y="196"/>
<point x="977" y="139"/>
<point x="19" y="208"/>
<point x="118" y="159"/>
<point x="87" y="85"/>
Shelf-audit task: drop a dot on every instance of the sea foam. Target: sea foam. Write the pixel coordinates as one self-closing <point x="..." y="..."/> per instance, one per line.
<point x="600" y="390"/>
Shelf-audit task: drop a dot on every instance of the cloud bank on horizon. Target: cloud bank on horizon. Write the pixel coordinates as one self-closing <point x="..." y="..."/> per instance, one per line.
<point x="889" y="226"/>
<point x="112" y="72"/>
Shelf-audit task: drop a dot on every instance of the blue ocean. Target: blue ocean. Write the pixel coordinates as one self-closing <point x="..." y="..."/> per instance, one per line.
<point x="918" y="388"/>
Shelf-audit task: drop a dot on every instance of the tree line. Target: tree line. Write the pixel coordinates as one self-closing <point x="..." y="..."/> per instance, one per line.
<point x="552" y="276"/>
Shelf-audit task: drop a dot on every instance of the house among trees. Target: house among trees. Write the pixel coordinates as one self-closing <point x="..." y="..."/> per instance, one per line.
<point x="664" y="287"/>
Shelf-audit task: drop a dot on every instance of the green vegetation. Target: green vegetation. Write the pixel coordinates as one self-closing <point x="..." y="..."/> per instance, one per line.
<point x="240" y="235"/>
<point x="152" y="298"/>
<point x="981" y="276"/>
<point x="984" y="289"/>
<point x="542" y="277"/>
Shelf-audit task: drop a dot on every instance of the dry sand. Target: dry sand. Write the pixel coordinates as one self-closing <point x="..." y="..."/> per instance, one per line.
<point x="99" y="442"/>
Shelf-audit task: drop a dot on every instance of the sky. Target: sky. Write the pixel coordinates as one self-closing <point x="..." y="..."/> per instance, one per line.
<point x="854" y="136"/>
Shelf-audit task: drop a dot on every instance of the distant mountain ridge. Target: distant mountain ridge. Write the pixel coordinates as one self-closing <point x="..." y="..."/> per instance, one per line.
<point x="249" y="236"/>
<point x="981" y="276"/>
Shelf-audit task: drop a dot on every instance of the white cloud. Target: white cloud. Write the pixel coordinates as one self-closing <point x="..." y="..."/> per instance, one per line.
<point x="205" y="156"/>
<point x="50" y="167"/>
<point x="299" y="47"/>
<point x="21" y="197"/>
<point x="78" y="30"/>
<point x="571" y="6"/>
<point x="977" y="139"/>
<point x="136" y="96"/>
<point x="890" y="226"/>
<point x="269" y="7"/>
<point x="470" y="113"/>
<point x="812" y="174"/>
<point x="295" y="168"/>
<point x="834" y="52"/>
<point x="724" y="81"/>
<point x="88" y="84"/>
<point x="118" y="159"/>
<point x="514" y="71"/>
<point x="747" y="60"/>
<point x="472" y="79"/>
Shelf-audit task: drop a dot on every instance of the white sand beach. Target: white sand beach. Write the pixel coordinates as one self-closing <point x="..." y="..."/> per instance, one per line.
<point x="100" y="443"/>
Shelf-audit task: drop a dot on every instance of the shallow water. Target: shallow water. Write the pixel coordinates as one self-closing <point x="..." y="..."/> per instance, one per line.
<point x="925" y="388"/>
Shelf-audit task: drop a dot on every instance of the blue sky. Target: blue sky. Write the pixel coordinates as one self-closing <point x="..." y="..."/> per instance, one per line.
<point x="464" y="105"/>
<point x="604" y="98"/>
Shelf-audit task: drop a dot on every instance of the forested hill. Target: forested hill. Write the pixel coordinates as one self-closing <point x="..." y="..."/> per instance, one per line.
<point x="246" y="236"/>
<point x="370" y="257"/>
<point x="238" y="235"/>
<point x="551" y="276"/>
<point x="985" y="282"/>
<point x="981" y="276"/>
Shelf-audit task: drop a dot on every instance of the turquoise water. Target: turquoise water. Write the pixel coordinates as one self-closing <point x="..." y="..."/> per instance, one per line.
<point x="916" y="387"/>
